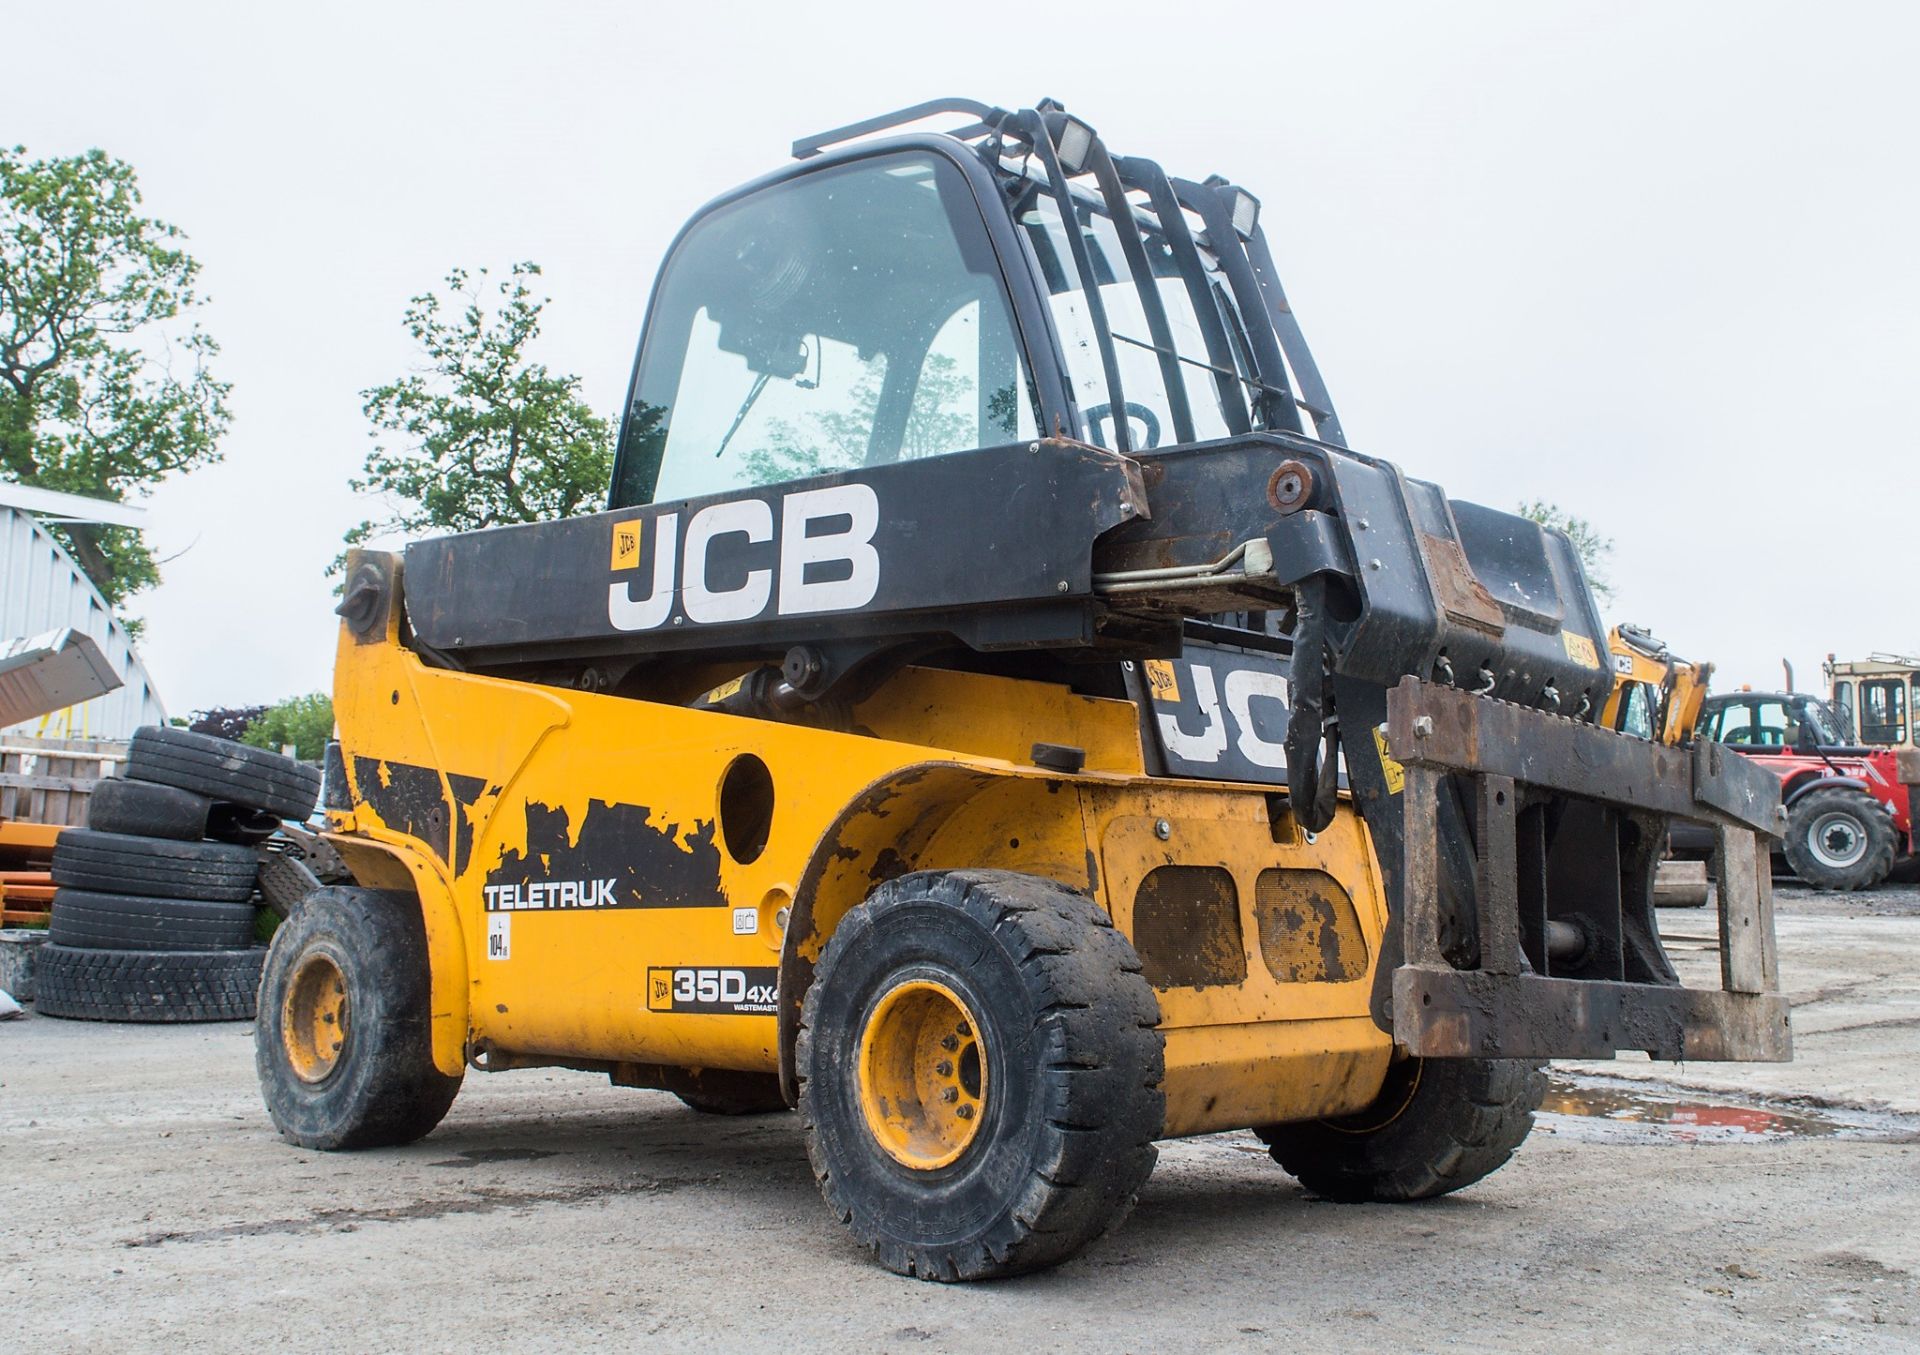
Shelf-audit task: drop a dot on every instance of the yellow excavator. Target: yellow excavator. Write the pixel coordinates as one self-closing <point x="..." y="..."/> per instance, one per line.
<point x="1656" y="695"/>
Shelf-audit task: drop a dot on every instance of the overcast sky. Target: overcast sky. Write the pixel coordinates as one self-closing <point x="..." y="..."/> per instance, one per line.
<point x="1656" y="263"/>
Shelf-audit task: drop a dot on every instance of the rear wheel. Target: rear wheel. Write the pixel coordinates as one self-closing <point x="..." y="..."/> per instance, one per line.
<point x="343" y="1044"/>
<point x="979" y="1074"/>
<point x="1839" y="838"/>
<point x="1438" y="1125"/>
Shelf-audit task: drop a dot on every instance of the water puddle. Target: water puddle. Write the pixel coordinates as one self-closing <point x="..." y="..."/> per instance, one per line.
<point x="478" y="1156"/>
<point x="1600" y="1110"/>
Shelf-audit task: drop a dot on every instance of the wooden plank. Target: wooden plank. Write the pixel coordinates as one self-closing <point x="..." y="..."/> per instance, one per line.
<point x="20" y="833"/>
<point x="35" y="781"/>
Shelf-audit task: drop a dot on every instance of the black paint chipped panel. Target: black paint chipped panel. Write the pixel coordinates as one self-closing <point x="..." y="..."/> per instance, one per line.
<point x="412" y="799"/>
<point x="466" y="792"/>
<point x="619" y="861"/>
<point x="408" y="799"/>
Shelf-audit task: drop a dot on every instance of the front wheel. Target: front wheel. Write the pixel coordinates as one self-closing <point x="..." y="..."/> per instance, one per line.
<point x="343" y="1044"/>
<point x="1438" y="1125"/>
<point x="979" y="1072"/>
<point x="1839" y="838"/>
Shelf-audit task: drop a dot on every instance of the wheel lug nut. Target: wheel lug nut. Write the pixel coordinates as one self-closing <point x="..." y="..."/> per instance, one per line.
<point x="950" y="1043"/>
<point x="949" y="1094"/>
<point x="944" y="1067"/>
<point x="964" y="1028"/>
<point x="965" y="1112"/>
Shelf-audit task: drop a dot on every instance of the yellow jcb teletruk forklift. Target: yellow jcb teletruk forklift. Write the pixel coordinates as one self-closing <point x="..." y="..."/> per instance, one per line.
<point x="999" y="717"/>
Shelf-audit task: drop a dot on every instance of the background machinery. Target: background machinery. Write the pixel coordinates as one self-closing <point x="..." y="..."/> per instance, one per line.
<point x="1849" y="806"/>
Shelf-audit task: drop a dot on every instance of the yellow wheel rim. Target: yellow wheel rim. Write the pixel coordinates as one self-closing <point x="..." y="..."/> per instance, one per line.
<point x="313" y="1020"/>
<point x="923" y="1074"/>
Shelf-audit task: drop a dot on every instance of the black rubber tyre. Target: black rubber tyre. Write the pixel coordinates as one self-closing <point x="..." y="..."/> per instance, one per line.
<point x="89" y="921"/>
<point x="223" y="770"/>
<point x="157" y="867"/>
<point x="143" y="809"/>
<point x="720" y="1091"/>
<point x="145" y="985"/>
<point x="376" y="1086"/>
<point x="1438" y="1125"/>
<point x="1068" y="1063"/>
<point x="1839" y="838"/>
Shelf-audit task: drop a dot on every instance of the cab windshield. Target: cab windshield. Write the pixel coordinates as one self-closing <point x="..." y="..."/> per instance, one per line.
<point x="1822" y="720"/>
<point x="846" y="318"/>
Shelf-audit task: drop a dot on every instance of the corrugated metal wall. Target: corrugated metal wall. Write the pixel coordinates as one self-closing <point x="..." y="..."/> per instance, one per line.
<point x="42" y="589"/>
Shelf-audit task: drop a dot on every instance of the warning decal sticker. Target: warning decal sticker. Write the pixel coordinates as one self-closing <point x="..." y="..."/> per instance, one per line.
<point x="1395" y="774"/>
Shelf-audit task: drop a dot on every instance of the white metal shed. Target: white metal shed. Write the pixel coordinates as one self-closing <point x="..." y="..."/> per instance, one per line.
<point x="43" y="589"/>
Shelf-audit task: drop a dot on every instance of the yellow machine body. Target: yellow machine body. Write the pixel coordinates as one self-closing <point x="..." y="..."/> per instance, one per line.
<point x="609" y="881"/>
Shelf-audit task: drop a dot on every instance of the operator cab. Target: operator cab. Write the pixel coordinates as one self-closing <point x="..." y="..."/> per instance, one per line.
<point x="924" y="294"/>
<point x="1762" y="722"/>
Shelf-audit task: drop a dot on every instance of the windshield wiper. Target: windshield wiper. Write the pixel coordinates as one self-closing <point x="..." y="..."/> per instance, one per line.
<point x="1251" y="383"/>
<point x="759" y="384"/>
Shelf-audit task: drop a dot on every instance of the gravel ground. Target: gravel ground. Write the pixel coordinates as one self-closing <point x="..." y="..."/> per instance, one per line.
<point x="145" y="1203"/>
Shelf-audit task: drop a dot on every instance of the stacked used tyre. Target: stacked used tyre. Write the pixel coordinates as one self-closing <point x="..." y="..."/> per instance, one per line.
<point x="153" y="907"/>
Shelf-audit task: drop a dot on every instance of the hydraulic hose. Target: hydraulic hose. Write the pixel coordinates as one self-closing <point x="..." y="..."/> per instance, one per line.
<point x="1313" y="737"/>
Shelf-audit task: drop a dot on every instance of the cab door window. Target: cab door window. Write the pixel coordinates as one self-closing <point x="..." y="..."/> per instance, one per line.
<point x="1636" y="711"/>
<point x="1149" y="411"/>
<point x="1750" y="724"/>
<point x="1883" y="711"/>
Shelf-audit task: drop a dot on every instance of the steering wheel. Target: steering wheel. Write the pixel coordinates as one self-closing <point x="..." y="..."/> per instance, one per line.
<point x="1134" y="410"/>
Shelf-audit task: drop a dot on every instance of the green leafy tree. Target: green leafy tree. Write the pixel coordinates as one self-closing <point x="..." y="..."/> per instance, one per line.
<point x="104" y="383"/>
<point x="306" y="722"/>
<point x="941" y="420"/>
<point x="223" y="722"/>
<point x="484" y="436"/>
<point x="1594" y="549"/>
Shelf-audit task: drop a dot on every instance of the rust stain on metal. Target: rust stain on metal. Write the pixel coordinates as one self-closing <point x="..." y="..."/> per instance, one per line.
<point x="1459" y="588"/>
<point x="1309" y="929"/>
<point x="1186" y="927"/>
<point x="1290" y="486"/>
